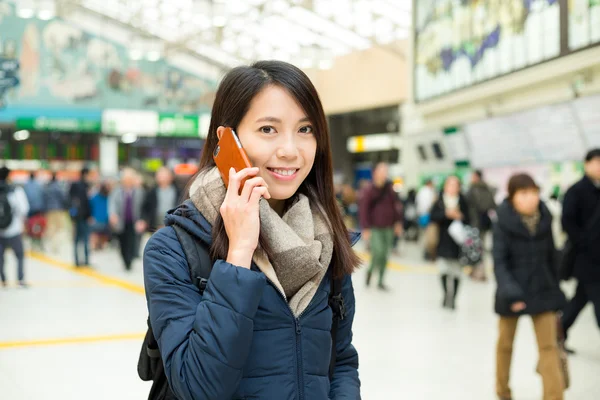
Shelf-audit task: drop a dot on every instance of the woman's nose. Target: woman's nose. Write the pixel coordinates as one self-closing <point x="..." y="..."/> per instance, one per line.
<point x="288" y="148"/>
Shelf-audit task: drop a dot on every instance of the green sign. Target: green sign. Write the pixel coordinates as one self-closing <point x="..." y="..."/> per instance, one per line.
<point x="178" y="125"/>
<point x="59" y="124"/>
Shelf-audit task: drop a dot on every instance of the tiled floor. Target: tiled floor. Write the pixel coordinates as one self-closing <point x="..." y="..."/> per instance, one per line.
<point x="77" y="336"/>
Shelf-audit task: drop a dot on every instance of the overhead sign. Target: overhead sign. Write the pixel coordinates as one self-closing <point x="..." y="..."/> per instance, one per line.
<point x="59" y="124"/>
<point x="139" y="122"/>
<point x="376" y="142"/>
<point x="178" y="125"/>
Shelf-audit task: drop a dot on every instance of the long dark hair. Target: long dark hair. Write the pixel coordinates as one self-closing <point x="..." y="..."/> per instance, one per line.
<point x="232" y="102"/>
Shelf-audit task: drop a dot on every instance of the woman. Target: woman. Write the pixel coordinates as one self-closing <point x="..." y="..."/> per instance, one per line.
<point x="262" y="328"/>
<point x="100" y="228"/>
<point x="451" y="206"/>
<point x="525" y="268"/>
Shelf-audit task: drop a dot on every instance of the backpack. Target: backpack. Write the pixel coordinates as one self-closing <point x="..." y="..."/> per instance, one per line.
<point x="150" y="364"/>
<point x="6" y="211"/>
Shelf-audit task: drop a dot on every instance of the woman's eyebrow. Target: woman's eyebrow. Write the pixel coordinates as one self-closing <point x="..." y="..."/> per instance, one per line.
<point x="274" y="119"/>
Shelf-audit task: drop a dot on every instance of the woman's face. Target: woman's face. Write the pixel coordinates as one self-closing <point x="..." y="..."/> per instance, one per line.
<point x="452" y="186"/>
<point x="279" y="140"/>
<point x="526" y="201"/>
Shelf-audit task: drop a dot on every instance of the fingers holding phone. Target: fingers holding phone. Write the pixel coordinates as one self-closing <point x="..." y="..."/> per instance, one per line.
<point x="240" y="214"/>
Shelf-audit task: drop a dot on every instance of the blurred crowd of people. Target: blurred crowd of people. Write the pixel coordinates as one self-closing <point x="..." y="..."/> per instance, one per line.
<point x="91" y="211"/>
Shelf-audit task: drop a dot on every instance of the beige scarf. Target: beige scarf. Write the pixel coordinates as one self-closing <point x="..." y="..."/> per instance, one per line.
<point x="531" y="222"/>
<point x="300" y="240"/>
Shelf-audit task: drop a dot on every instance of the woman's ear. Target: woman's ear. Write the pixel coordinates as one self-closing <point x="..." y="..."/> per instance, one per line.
<point x="220" y="131"/>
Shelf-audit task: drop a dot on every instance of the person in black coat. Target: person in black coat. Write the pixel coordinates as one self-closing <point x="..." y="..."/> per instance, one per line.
<point x="525" y="265"/>
<point x="581" y="222"/>
<point x="451" y="206"/>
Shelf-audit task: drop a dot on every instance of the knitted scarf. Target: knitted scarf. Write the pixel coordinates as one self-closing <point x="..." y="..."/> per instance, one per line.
<point x="531" y="222"/>
<point x="301" y="240"/>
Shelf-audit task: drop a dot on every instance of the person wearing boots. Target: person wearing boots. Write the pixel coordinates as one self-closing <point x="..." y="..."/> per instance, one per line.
<point x="525" y="265"/>
<point x="451" y="206"/>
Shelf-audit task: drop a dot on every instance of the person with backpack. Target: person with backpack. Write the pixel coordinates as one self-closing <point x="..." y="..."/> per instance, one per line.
<point x="273" y="317"/>
<point x="481" y="203"/>
<point x="525" y="265"/>
<point x="381" y="220"/>
<point x="14" y="208"/>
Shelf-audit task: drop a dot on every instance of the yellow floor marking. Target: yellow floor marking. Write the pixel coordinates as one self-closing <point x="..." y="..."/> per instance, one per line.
<point x="72" y="340"/>
<point x="90" y="273"/>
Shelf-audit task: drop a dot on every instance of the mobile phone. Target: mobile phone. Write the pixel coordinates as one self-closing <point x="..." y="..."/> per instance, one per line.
<point x="228" y="154"/>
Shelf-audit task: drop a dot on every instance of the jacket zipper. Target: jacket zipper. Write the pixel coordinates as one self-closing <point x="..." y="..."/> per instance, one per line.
<point x="298" y="329"/>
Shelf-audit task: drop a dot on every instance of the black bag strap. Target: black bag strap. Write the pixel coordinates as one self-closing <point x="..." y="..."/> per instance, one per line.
<point x="383" y="192"/>
<point x="199" y="262"/>
<point x="338" y="307"/>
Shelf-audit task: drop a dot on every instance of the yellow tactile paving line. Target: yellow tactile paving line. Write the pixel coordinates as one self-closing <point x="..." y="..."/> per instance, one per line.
<point x="135" y="288"/>
<point x="73" y="340"/>
<point x="105" y="279"/>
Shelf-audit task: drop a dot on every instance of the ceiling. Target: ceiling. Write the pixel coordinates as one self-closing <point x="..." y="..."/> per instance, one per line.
<point x="309" y="33"/>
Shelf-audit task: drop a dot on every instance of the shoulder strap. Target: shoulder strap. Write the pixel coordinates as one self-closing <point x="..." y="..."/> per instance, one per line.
<point x="336" y="302"/>
<point x="198" y="259"/>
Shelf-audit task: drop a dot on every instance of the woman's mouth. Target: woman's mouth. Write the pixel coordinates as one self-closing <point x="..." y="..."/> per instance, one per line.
<point x="284" y="174"/>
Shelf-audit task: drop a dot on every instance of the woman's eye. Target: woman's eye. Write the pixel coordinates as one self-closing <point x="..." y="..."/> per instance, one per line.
<point x="306" y="129"/>
<point x="267" y="130"/>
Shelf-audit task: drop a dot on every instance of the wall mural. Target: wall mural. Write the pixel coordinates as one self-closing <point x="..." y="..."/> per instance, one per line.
<point x="53" y="63"/>
<point x="460" y="43"/>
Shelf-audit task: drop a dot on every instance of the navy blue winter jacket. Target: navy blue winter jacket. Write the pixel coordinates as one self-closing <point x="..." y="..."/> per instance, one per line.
<point x="240" y="339"/>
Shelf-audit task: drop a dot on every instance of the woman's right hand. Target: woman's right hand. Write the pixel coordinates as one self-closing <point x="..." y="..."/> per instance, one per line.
<point x="240" y="215"/>
<point x="518" y="306"/>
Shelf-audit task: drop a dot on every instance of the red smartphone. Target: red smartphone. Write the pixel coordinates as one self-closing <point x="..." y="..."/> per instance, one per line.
<point x="230" y="153"/>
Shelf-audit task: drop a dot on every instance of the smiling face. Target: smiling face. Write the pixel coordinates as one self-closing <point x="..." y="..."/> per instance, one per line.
<point x="279" y="139"/>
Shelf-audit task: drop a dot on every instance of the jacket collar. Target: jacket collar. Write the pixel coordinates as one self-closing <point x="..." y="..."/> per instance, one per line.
<point x="510" y="220"/>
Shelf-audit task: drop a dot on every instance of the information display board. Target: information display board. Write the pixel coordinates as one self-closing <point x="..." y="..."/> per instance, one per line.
<point x="462" y="43"/>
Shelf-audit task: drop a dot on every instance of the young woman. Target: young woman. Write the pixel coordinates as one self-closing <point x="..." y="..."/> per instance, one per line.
<point x="526" y="273"/>
<point x="261" y="330"/>
<point x="451" y="206"/>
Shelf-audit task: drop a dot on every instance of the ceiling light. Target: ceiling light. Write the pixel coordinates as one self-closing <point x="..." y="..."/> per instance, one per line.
<point x="202" y="21"/>
<point x="129" y="138"/>
<point x="45" y="15"/>
<point x="153" y="55"/>
<point x="21" y="135"/>
<point x="219" y="22"/>
<point x="26" y="13"/>
<point x="135" y="54"/>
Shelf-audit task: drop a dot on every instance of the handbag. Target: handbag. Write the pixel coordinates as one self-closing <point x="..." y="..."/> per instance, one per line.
<point x="458" y="232"/>
<point x="568" y="255"/>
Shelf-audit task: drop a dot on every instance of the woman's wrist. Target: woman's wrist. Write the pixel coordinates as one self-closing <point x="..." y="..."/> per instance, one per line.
<point x="240" y="258"/>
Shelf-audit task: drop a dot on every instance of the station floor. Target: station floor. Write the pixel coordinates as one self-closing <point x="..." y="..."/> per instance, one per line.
<point x="77" y="334"/>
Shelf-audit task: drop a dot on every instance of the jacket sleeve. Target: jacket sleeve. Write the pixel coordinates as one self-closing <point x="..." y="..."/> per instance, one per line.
<point x="346" y="384"/>
<point x="508" y="288"/>
<point x="204" y="340"/>
<point x="570" y="217"/>
<point x="364" y="212"/>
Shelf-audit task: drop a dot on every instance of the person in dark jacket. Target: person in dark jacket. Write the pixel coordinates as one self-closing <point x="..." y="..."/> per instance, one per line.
<point x="451" y="206"/>
<point x="381" y="218"/>
<point x="160" y="199"/>
<point x="581" y="222"/>
<point x="525" y="265"/>
<point x="81" y="211"/>
<point x="261" y="329"/>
